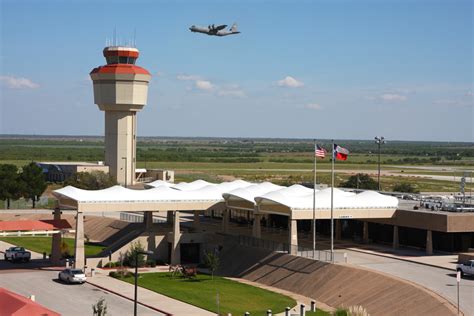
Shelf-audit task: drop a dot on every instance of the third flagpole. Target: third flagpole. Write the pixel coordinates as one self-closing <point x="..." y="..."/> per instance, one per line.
<point x="332" y="203"/>
<point x="314" y="202"/>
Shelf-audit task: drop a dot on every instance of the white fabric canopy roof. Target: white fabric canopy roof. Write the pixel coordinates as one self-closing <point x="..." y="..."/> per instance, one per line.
<point x="299" y="200"/>
<point x="183" y="192"/>
<point x="295" y="197"/>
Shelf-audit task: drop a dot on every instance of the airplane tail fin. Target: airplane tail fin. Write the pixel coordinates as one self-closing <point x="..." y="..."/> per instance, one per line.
<point x="234" y="28"/>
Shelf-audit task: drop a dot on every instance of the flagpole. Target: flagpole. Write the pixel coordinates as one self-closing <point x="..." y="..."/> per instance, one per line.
<point x="314" y="203"/>
<point x="332" y="203"/>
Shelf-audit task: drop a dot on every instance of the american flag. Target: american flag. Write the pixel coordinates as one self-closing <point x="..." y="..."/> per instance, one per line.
<point x="319" y="152"/>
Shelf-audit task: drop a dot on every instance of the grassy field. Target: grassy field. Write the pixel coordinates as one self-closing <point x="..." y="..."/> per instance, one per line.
<point x="43" y="244"/>
<point x="283" y="161"/>
<point x="234" y="297"/>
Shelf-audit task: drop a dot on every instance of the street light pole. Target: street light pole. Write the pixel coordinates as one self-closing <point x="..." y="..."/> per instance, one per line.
<point x="379" y="141"/>
<point x="136" y="278"/>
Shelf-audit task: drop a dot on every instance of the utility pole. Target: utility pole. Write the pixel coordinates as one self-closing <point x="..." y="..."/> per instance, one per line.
<point x="379" y="141"/>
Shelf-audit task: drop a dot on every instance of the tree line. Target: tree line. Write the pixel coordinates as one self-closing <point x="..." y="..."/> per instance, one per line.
<point x="28" y="183"/>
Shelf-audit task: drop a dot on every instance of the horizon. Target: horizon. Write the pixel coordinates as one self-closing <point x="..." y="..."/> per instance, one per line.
<point x="19" y="136"/>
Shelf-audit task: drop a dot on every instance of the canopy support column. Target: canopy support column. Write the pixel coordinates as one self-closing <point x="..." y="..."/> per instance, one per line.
<point x="257" y="228"/>
<point x="169" y="217"/>
<point x="56" y="242"/>
<point x="365" y="232"/>
<point x="197" y="221"/>
<point x="225" y="221"/>
<point x="148" y="219"/>
<point x="79" y="255"/>
<point x="396" y="242"/>
<point x="429" y="242"/>
<point x="175" y="246"/>
<point x="293" y="236"/>
<point x="338" y="229"/>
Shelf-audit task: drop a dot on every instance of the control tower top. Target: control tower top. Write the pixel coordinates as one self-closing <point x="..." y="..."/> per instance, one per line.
<point x="121" y="55"/>
<point x="120" y="60"/>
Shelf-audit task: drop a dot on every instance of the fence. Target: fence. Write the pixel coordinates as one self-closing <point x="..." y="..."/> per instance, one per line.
<point x="301" y="251"/>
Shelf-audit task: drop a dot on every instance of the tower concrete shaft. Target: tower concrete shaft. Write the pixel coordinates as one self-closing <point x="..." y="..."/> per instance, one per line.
<point x="120" y="90"/>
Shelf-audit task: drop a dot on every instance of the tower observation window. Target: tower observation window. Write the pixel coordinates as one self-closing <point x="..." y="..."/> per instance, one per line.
<point x="120" y="60"/>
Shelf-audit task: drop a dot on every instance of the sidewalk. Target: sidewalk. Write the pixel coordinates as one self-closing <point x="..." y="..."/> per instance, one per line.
<point x="161" y="303"/>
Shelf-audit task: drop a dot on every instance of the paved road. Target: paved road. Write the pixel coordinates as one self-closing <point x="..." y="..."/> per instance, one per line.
<point x="439" y="280"/>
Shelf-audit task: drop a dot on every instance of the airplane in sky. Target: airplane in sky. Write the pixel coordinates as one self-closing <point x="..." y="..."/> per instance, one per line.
<point x="215" y="30"/>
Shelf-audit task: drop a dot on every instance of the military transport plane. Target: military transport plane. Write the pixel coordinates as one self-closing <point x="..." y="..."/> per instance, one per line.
<point x="215" y="30"/>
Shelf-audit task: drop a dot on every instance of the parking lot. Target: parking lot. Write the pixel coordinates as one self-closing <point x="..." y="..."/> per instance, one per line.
<point x="35" y="278"/>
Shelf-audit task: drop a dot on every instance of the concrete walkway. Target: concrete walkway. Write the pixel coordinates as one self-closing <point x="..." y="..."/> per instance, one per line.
<point x="159" y="302"/>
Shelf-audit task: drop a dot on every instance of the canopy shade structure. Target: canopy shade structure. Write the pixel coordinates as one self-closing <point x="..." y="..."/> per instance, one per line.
<point x="295" y="201"/>
<point x="197" y="195"/>
<point x="244" y="198"/>
<point x="298" y="205"/>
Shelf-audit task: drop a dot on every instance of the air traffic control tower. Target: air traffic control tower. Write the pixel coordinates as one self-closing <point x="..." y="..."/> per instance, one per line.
<point x="120" y="90"/>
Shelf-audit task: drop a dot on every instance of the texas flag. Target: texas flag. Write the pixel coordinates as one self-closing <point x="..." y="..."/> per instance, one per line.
<point x="340" y="153"/>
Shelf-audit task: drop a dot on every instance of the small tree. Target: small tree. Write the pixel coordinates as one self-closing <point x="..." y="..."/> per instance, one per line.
<point x="94" y="180"/>
<point x="405" y="187"/>
<point x="10" y="184"/>
<point x="360" y="181"/>
<point x="212" y="262"/>
<point x="65" y="251"/>
<point x="100" y="308"/>
<point x="33" y="182"/>
<point x="133" y="253"/>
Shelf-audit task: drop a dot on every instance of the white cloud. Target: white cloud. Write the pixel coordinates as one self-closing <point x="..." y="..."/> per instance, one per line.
<point x="389" y="97"/>
<point x="290" y="82"/>
<point x="313" y="106"/>
<point x="204" y="85"/>
<point x="187" y="77"/>
<point x="18" y="82"/>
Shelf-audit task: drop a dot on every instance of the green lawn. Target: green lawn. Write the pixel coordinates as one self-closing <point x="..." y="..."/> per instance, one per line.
<point x="234" y="297"/>
<point x="43" y="244"/>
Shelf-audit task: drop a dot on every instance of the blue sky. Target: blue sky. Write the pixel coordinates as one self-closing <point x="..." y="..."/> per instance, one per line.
<point x="299" y="69"/>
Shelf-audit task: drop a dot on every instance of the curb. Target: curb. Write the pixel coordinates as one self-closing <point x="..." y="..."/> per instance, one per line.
<point x="401" y="259"/>
<point x="128" y="298"/>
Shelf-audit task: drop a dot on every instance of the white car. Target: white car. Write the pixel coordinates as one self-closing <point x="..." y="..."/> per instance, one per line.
<point x="72" y="276"/>
<point x="466" y="268"/>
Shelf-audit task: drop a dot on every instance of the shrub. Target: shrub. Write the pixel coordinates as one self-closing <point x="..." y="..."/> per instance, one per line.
<point x="357" y="311"/>
<point x="133" y="254"/>
<point x="405" y="187"/>
<point x="110" y="265"/>
<point x="151" y="263"/>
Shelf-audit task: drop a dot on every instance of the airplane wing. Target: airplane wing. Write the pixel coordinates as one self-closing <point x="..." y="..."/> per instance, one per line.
<point x="220" y="27"/>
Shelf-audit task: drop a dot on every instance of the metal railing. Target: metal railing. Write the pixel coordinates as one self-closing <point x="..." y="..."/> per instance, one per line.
<point x="137" y="218"/>
<point x="301" y="251"/>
